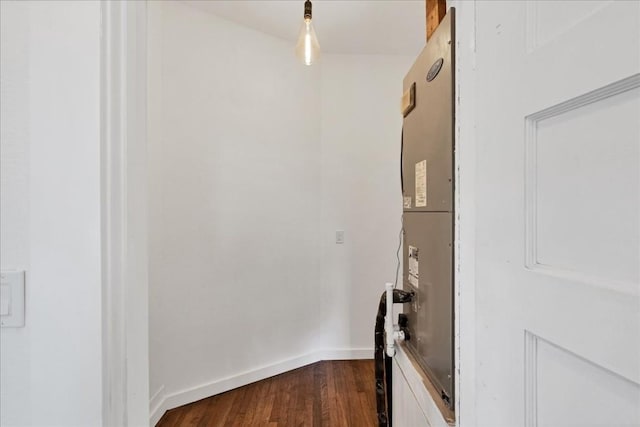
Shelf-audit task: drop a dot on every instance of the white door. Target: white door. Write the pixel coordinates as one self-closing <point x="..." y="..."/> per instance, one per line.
<point x="558" y="217"/>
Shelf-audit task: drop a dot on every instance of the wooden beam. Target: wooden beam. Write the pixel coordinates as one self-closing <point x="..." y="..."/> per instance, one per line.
<point x="436" y="9"/>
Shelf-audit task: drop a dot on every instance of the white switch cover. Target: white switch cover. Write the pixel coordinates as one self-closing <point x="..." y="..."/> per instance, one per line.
<point x="12" y="299"/>
<point x="5" y="297"/>
<point x="339" y="237"/>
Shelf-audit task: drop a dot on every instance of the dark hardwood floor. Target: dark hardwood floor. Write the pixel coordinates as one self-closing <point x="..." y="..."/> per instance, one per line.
<point x="330" y="393"/>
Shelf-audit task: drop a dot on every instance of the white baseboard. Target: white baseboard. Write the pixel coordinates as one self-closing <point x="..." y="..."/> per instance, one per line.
<point x="162" y="402"/>
<point x="345" y="354"/>
<point x="155" y="403"/>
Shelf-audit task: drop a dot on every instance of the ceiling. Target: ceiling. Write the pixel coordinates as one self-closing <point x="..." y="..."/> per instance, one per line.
<point x="393" y="27"/>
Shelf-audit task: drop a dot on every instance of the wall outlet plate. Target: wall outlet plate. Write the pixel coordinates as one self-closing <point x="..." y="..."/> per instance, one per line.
<point x="12" y="299"/>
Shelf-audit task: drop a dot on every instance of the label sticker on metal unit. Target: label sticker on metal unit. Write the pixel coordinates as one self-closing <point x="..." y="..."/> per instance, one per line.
<point x="407" y="202"/>
<point x="421" y="184"/>
<point x="414" y="266"/>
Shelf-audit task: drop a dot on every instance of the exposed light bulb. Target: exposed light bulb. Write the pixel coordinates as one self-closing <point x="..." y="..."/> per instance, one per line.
<point x="308" y="48"/>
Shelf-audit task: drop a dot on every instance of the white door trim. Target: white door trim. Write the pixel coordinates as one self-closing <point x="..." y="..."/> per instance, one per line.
<point x="123" y="209"/>
<point x="465" y="227"/>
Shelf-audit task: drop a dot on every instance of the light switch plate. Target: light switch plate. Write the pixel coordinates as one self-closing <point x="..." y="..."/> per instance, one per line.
<point x="12" y="299"/>
<point x="339" y="237"/>
<point x="5" y="298"/>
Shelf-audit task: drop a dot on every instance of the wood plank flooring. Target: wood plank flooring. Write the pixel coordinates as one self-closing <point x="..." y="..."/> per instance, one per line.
<point x="329" y="393"/>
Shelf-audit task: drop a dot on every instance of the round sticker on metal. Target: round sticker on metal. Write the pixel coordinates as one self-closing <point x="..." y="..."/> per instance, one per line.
<point x="435" y="69"/>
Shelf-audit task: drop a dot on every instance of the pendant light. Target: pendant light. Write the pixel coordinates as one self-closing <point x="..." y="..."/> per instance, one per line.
<point x="308" y="48"/>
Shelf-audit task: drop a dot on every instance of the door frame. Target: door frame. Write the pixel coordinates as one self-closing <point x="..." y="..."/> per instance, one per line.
<point x="123" y="160"/>
<point x="124" y="196"/>
<point x="465" y="219"/>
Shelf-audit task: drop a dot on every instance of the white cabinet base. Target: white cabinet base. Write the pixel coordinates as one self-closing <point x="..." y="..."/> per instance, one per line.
<point x="413" y="404"/>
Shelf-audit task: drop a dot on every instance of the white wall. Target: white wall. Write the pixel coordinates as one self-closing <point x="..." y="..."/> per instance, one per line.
<point x="361" y="126"/>
<point x="255" y="162"/>
<point x="51" y="368"/>
<point x="235" y="207"/>
<point x="14" y="201"/>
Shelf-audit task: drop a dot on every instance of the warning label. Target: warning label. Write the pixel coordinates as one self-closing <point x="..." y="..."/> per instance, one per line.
<point x="414" y="266"/>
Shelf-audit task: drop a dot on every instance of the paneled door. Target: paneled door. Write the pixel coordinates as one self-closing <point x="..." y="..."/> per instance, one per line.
<point x="558" y="213"/>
